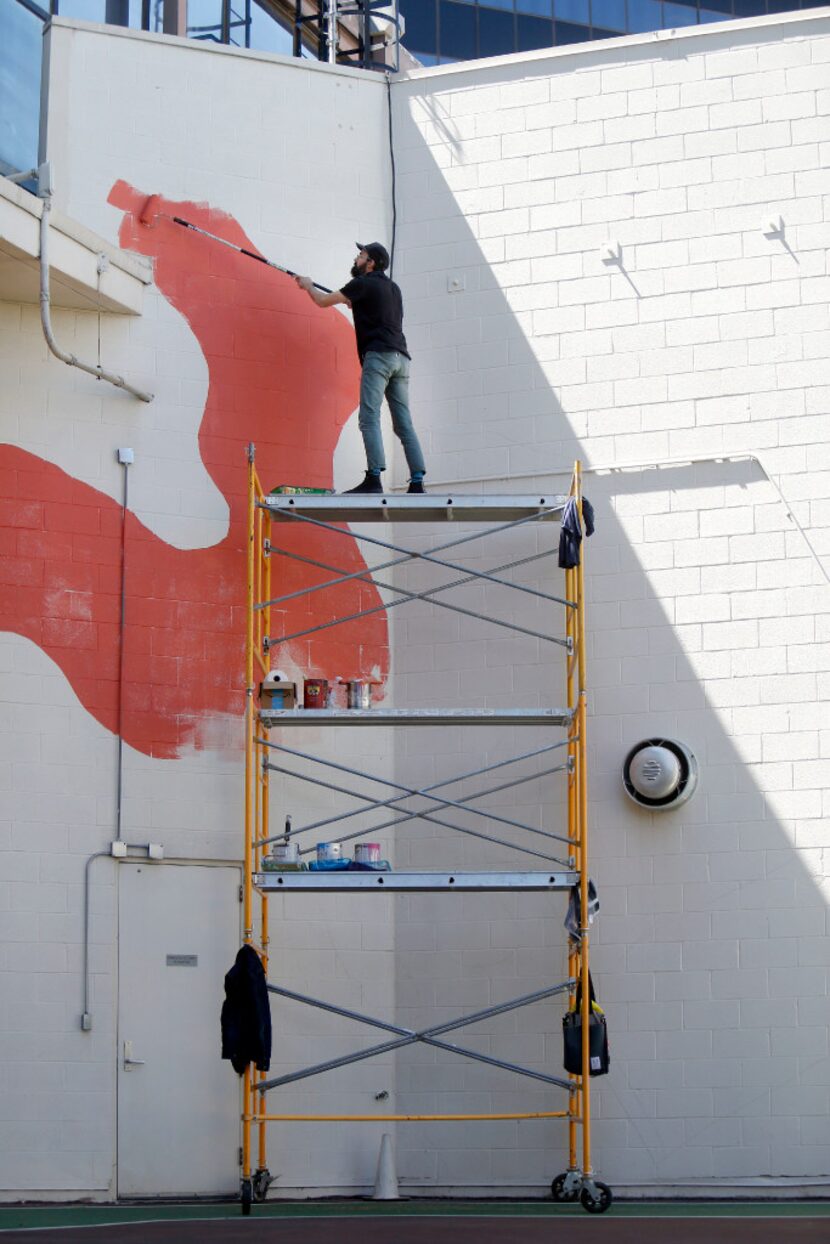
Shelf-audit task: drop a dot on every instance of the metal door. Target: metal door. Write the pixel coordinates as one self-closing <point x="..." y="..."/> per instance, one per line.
<point x="178" y="1103"/>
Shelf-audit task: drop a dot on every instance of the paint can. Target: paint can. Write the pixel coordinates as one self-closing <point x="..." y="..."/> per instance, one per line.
<point x="327" y="851"/>
<point x="367" y="853"/>
<point x="315" y="692"/>
<point x="359" y="693"/>
<point x="285" y="852"/>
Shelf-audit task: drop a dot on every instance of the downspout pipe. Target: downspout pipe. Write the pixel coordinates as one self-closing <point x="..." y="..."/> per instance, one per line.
<point x="98" y="372"/>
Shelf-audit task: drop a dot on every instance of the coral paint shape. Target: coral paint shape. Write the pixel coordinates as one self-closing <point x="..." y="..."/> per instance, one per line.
<point x="283" y="374"/>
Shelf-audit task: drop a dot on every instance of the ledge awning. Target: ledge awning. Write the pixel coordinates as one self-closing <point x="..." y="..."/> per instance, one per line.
<point x="75" y="254"/>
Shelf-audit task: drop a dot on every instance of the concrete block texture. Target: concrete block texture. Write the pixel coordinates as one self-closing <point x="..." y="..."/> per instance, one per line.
<point x="615" y="254"/>
<point x="672" y="236"/>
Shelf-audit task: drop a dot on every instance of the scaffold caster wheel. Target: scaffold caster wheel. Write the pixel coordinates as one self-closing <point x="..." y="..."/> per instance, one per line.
<point x="561" y="1190"/>
<point x="247" y="1196"/>
<point x="261" y="1183"/>
<point x="598" y="1200"/>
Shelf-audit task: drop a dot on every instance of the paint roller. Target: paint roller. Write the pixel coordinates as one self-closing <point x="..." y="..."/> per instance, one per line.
<point x="150" y="212"/>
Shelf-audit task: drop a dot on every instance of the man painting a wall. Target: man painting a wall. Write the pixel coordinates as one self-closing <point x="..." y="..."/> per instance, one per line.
<point x="377" y="308"/>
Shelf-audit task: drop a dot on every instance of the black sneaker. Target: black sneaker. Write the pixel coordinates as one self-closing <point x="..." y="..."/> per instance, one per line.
<point x="370" y="483"/>
<point x="416" y="485"/>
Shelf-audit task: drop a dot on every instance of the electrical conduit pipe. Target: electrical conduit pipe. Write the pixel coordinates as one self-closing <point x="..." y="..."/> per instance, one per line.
<point x="98" y="372"/>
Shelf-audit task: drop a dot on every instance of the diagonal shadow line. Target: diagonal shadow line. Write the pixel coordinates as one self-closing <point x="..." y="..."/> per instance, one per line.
<point x="465" y="249"/>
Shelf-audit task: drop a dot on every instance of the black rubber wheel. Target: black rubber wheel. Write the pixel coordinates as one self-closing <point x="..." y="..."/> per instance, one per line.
<point x="597" y="1204"/>
<point x="557" y="1189"/>
<point x="247" y="1196"/>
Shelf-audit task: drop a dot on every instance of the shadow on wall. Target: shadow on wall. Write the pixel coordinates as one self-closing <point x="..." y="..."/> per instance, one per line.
<point x="282" y="374"/>
<point x="710" y="948"/>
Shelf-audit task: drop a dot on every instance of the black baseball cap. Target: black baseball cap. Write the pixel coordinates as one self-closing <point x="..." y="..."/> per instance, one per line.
<point x="377" y="252"/>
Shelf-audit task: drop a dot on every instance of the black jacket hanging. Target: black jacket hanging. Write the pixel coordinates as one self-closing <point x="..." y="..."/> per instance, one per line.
<point x="246" y="1014"/>
<point x="570" y="537"/>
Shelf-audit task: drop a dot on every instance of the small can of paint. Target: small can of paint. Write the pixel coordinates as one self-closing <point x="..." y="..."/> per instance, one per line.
<point x="285" y="852"/>
<point x="359" y="693"/>
<point x="367" y="853"/>
<point x="327" y="851"/>
<point x="315" y="692"/>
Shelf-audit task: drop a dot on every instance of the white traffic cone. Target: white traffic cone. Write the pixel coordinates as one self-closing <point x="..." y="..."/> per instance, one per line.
<point x="386" y="1181"/>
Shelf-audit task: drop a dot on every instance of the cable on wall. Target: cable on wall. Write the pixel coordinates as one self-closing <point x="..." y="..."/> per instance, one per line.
<point x="394" y="174"/>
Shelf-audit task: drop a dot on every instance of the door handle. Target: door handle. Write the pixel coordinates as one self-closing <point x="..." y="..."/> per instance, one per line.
<point x="129" y="1061"/>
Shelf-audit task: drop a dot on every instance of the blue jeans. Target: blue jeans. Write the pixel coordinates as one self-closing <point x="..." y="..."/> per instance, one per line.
<point x="387" y="373"/>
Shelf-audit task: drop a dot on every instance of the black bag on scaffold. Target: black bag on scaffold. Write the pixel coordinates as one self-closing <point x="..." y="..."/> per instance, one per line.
<point x="598" y="1055"/>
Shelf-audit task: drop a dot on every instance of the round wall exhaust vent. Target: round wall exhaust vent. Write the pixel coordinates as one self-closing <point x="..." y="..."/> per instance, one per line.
<point x="660" y="774"/>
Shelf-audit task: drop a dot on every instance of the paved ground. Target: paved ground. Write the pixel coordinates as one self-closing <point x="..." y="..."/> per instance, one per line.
<point x="421" y="1223"/>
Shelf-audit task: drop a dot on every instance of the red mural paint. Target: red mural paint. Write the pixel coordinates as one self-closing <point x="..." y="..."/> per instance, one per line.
<point x="283" y="374"/>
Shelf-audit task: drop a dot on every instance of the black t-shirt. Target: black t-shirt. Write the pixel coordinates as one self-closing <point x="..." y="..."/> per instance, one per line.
<point x="377" y="310"/>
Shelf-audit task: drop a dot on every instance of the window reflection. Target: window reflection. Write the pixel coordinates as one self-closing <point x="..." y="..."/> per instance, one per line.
<point x="644" y="15"/>
<point x="204" y="20"/>
<point x="495" y="32"/>
<point x="572" y="11"/>
<point x="84" y="10"/>
<point x="421" y="28"/>
<point x="266" y="34"/>
<point x="679" y="15"/>
<point x="20" y="53"/>
<point x="608" y="14"/>
<point x="569" y="32"/>
<point x="533" y="32"/>
<point x="458" y="30"/>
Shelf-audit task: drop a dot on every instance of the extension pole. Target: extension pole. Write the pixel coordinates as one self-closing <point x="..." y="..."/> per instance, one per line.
<point x="148" y="212"/>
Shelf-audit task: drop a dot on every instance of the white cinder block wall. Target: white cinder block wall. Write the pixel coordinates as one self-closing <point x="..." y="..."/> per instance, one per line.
<point x="705" y="340"/>
<point x="619" y="252"/>
<point x="295" y="152"/>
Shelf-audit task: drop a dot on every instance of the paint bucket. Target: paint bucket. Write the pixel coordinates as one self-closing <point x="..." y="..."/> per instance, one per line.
<point x="327" y="851"/>
<point x="315" y="692"/>
<point x="359" y="693"/>
<point x="367" y="853"/>
<point x="285" y="852"/>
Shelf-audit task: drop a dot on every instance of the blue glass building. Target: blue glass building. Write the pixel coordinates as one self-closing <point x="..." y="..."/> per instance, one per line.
<point x="441" y="31"/>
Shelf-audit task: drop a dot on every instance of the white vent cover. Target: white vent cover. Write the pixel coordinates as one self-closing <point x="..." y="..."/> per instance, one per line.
<point x="660" y="774"/>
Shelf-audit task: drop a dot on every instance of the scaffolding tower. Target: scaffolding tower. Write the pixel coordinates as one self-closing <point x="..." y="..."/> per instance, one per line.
<point x="566" y="872"/>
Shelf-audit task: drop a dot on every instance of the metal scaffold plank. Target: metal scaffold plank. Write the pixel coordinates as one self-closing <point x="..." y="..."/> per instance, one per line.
<point x="413" y="882"/>
<point x="430" y="508"/>
<point x="415" y="717"/>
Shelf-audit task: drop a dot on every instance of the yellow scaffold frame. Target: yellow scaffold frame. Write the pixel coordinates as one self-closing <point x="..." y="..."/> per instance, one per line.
<point x="579" y="1176"/>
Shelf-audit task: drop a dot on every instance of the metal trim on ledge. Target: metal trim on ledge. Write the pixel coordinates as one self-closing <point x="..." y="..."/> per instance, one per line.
<point x="413" y="883"/>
